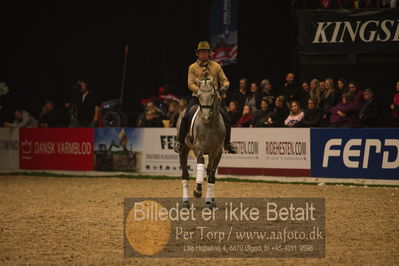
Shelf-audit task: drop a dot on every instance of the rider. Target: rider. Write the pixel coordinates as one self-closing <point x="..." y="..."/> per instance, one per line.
<point x="204" y="68"/>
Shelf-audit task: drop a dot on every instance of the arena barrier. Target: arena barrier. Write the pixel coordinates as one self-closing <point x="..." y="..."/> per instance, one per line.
<point x="269" y="152"/>
<point x="9" y="148"/>
<point x="289" y="152"/>
<point x="355" y="153"/>
<point x="56" y="148"/>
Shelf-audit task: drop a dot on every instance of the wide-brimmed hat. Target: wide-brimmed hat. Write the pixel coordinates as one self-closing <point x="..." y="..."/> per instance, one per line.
<point x="203" y="46"/>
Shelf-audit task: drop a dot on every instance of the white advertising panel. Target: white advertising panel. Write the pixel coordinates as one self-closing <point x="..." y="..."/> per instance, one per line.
<point x="269" y="151"/>
<point x="9" y="148"/>
<point x="286" y="148"/>
<point x="157" y="153"/>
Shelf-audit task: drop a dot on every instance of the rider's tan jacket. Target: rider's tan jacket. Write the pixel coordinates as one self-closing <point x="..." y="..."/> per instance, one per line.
<point x="196" y="72"/>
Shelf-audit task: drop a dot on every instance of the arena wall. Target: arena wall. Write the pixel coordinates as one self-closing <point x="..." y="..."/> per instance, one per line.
<point x="9" y="148"/>
<point x="287" y="152"/>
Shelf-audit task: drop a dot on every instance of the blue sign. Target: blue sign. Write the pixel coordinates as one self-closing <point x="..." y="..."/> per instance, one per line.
<point x="355" y="153"/>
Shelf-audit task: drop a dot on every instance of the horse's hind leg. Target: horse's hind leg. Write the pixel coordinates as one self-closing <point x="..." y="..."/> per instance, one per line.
<point x="200" y="175"/>
<point x="183" y="155"/>
<point x="214" y="160"/>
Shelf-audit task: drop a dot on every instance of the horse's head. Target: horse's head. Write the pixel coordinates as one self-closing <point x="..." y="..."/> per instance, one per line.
<point x="207" y="99"/>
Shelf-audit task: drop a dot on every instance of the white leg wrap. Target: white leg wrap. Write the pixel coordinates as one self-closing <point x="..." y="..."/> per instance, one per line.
<point x="185" y="190"/>
<point x="200" y="173"/>
<point x="210" y="192"/>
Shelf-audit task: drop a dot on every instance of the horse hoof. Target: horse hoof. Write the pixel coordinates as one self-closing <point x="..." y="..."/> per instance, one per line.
<point x="208" y="205"/>
<point x="186" y="204"/>
<point x="197" y="193"/>
<point x="211" y="203"/>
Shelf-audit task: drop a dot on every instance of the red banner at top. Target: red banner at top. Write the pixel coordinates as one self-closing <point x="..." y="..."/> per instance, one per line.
<point x="56" y="148"/>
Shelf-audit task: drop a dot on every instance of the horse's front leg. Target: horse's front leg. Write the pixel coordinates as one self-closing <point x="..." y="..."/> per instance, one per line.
<point x="183" y="155"/>
<point x="214" y="160"/>
<point x="200" y="175"/>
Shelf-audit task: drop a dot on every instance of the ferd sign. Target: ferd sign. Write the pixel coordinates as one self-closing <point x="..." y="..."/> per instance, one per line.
<point x="355" y="153"/>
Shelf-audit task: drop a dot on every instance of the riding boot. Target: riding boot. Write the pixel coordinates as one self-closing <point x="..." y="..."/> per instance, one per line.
<point x="182" y="135"/>
<point x="185" y="124"/>
<point x="227" y="145"/>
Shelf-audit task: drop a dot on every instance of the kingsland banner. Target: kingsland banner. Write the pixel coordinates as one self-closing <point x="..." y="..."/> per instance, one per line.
<point x="348" y="31"/>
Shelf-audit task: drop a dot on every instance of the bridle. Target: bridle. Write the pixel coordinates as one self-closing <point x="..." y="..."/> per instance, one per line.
<point x="205" y="106"/>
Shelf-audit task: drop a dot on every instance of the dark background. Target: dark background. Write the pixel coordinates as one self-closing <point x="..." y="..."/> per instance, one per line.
<point x="46" y="48"/>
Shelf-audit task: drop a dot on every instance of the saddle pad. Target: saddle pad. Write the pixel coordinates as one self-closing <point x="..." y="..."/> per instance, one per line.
<point x="192" y="122"/>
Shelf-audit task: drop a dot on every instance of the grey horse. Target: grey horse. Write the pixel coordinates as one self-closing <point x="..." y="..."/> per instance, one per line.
<point x="207" y="138"/>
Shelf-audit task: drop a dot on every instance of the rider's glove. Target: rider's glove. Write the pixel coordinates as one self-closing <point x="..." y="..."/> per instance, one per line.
<point x="224" y="89"/>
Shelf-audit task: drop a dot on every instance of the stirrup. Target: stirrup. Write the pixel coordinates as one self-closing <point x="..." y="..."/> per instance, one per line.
<point x="178" y="147"/>
<point x="230" y="148"/>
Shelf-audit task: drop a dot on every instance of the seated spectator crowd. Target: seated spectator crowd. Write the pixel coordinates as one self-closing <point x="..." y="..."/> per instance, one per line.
<point x="343" y="4"/>
<point x="317" y="103"/>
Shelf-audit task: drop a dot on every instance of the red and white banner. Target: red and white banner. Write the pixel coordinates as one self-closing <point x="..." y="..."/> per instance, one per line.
<point x="223" y="31"/>
<point x="56" y="148"/>
<point x="225" y="55"/>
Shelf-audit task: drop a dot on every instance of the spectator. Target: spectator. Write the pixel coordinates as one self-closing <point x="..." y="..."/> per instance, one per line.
<point x="276" y="119"/>
<point x="369" y="112"/>
<point x="368" y="3"/>
<point x="271" y="100"/>
<point x="173" y="113"/>
<point x="241" y="95"/>
<point x="328" y="4"/>
<point x="343" y="114"/>
<point x="395" y="106"/>
<point x="295" y="115"/>
<point x="322" y="86"/>
<point x="149" y="106"/>
<point x="304" y="94"/>
<point x="313" y="115"/>
<point x="87" y="106"/>
<point x="261" y="115"/>
<point x="234" y="112"/>
<point x="341" y="89"/>
<point x="290" y="91"/>
<point x="326" y="101"/>
<point x="22" y="119"/>
<point x="246" y="117"/>
<point x="182" y="105"/>
<point x="151" y="119"/>
<point x="314" y="91"/>
<point x="357" y="94"/>
<point x="165" y="98"/>
<point x="266" y="89"/>
<point x="253" y="98"/>
<point x="70" y="107"/>
<point x="337" y="95"/>
<point x="52" y="116"/>
<point x="329" y="86"/>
